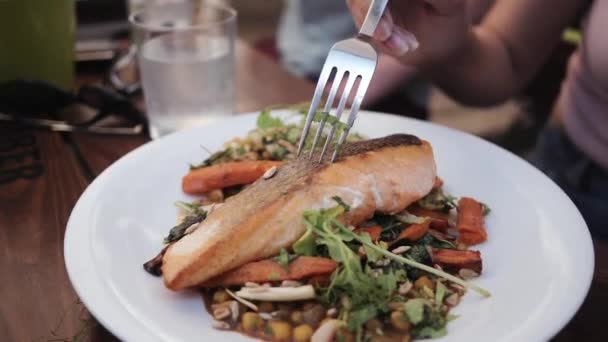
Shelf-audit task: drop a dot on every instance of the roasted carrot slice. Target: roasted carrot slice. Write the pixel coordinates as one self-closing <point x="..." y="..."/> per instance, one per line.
<point x="269" y="270"/>
<point x="373" y="231"/>
<point x="414" y="231"/>
<point x="453" y="260"/>
<point x="224" y="175"/>
<point x="439" y="220"/>
<point x="470" y="223"/>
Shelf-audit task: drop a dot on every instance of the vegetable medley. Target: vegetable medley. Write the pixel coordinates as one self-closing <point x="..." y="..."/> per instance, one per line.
<point x="393" y="278"/>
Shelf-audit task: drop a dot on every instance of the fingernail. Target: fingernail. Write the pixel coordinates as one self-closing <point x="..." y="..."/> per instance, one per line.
<point x="411" y="40"/>
<point x="384" y="31"/>
<point x="397" y="44"/>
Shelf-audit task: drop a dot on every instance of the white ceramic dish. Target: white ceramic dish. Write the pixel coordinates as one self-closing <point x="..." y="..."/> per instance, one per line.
<point x="538" y="262"/>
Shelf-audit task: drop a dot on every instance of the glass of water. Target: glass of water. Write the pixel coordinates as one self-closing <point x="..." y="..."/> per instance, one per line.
<point x="186" y="63"/>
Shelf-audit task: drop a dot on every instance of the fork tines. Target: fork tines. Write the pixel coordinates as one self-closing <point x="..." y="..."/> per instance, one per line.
<point x="347" y="76"/>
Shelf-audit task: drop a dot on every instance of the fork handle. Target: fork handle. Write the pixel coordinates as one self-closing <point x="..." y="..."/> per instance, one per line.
<point x="373" y="18"/>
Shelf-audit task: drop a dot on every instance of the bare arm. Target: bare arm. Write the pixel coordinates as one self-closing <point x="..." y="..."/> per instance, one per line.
<point x="504" y="52"/>
<point x="391" y="74"/>
<point x="481" y="64"/>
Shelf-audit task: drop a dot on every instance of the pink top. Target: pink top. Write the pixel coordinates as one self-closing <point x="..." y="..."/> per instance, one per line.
<point x="584" y="96"/>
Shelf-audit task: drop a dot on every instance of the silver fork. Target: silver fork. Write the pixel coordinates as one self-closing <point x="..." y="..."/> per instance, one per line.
<point x="348" y="61"/>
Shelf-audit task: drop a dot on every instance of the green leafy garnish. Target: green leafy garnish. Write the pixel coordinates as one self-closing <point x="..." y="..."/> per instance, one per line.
<point x="333" y="234"/>
<point x="371" y="254"/>
<point x="430" y="332"/>
<point x="485" y="209"/>
<point x="284" y="258"/>
<point x="306" y="244"/>
<point x="369" y="290"/>
<point x="436" y="200"/>
<point x="329" y="119"/>
<point x="440" y="291"/>
<point x="195" y="215"/>
<point x="414" y="309"/>
<point x="266" y="121"/>
<point x="427" y="318"/>
<point x="368" y="293"/>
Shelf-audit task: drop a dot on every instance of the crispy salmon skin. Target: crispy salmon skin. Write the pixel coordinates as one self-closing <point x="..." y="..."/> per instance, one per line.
<point x="380" y="175"/>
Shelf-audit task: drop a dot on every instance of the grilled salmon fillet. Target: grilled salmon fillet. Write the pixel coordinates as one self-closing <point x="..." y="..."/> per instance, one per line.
<point x="379" y="175"/>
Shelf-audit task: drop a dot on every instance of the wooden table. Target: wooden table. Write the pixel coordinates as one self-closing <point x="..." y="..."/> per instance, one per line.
<point x="42" y="174"/>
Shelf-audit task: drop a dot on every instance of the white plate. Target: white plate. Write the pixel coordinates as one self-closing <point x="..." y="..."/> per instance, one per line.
<point x="538" y="261"/>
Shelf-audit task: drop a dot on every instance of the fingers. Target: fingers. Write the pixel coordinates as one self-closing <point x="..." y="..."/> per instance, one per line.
<point x="445" y="7"/>
<point x="400" y="42"/>
<point x="389" y="38"/>
<point x="359" y="8"/>
<point x="385" y="27"/>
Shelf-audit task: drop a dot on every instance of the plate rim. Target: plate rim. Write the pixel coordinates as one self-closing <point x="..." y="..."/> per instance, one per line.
<point x="99" y="310"/>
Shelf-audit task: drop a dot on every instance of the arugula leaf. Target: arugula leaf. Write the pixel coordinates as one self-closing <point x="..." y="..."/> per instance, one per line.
<point x="368" y="292"/>
<point x="284" y="259"/>
<point x="430" y="332"/>
<point x="358" y="317"/>
<point x="440" y="290"/>
<point x="388" y="281"/>
<point x="266" y="121"/>
<point x="372" y="254"/>
<point x="428" y="319"/>
<point x="414" y="309"/>
<point x="416" y="264"/>
<point x="306" y="244"/>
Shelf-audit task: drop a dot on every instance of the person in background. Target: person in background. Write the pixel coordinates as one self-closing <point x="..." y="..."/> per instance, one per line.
<point x="487" y="63"/>
<point x="309" y="28"/>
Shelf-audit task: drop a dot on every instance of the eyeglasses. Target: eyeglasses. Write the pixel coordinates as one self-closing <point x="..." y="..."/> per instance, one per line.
<point x="93" y="109"/>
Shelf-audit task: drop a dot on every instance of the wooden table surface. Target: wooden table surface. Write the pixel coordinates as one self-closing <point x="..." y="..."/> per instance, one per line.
<point x="42" y="174"/>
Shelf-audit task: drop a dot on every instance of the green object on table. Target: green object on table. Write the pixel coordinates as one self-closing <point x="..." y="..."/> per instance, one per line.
<point x="37" y="40"/>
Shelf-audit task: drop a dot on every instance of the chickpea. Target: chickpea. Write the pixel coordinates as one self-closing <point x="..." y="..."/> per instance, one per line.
<point x="424" y="281"/>
<point x="220" y="296"/>
<point x="251" y="321"/>
<point x="314" y="314"/>
<point x="302" y="333"/>
<point x="399" y="321"/>
<point x="265" y="307"/>
<point x="281" y="330"/>
<point x="297" y="317"/>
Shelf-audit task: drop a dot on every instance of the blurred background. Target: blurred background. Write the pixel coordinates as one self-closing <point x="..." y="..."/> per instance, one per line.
<point x="266" y="25"/>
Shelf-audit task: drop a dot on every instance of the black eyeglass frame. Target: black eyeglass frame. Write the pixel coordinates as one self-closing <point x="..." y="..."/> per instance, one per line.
<point x="25" y="101"/>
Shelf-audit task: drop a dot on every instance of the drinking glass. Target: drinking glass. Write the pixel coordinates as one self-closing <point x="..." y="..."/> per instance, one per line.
<point x="186" y="63"/>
